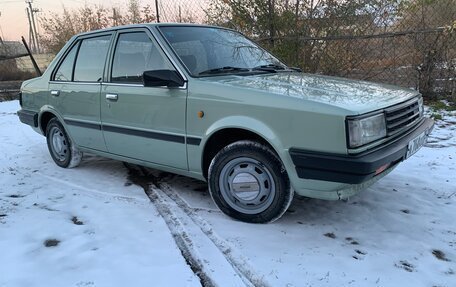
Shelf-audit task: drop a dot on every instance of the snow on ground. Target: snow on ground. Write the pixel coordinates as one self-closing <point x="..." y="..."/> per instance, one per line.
<point x="108" y="234"/>
<point x="399" y="232"/>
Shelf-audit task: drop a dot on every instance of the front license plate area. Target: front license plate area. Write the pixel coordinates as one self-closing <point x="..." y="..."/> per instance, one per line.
<point x="415" y="144"/>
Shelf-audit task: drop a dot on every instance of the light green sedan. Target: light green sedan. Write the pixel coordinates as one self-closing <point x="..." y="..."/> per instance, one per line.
<point x="208" y="103"/>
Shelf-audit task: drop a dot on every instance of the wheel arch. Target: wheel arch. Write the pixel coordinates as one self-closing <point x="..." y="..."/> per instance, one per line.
<point x="45" y="115"/>
<point x="223" y="134"/>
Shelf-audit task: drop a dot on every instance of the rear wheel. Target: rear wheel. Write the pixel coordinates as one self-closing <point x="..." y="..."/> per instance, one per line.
<point x="248" y="182"/>
<point x="62" y="150"/>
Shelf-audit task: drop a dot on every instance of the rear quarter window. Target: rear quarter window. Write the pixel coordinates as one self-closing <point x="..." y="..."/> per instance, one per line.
<point x="65" y="70"/>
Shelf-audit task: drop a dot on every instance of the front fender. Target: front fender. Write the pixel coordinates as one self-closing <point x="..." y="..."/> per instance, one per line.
<point x="237" y="122"/>
<point x="245" y="123"/>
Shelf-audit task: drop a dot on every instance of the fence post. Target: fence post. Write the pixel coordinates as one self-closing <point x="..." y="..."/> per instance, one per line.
<point x="156" y="11"/>
<point x="35" y="65"/>
<point x="271" y="8"/>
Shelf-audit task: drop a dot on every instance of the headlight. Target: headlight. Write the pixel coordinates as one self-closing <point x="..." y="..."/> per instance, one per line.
<point x="366" y="130"/>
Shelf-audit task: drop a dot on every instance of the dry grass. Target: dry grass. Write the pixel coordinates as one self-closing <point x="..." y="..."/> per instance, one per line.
<point x="9" y="90"/>
<point x="12" y="73"/>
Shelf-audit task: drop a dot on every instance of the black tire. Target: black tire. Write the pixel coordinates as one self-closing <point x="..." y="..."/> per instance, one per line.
<point x="64" y="153"/>
<point x="248" y="182"/>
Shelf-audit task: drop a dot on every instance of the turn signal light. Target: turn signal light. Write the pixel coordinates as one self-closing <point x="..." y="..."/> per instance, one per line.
<point x="381" y="169"/>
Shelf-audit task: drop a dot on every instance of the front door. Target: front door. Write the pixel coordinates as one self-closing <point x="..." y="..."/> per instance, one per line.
<point x="75" y="90"/>
<point x="145" y="123"/>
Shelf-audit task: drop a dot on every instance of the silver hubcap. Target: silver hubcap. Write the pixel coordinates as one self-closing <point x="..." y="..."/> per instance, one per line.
<point x="247" y="185"/>
<point x="59" y="144"/>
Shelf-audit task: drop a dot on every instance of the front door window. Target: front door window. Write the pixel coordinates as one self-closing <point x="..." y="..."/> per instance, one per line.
<point x="134" y="54"/>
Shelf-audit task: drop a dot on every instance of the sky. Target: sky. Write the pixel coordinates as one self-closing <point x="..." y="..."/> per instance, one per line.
<point x="13" y="18"/>
<point x="14" y="22"/>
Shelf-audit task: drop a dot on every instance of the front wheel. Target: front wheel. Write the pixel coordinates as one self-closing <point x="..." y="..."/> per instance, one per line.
<point x="247" y="181"/>
<point x="64" y="153"/>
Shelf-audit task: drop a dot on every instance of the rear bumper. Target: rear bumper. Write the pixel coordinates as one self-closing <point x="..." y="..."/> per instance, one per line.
<point x="354" y="169"/>
<point x="28" y="117"/>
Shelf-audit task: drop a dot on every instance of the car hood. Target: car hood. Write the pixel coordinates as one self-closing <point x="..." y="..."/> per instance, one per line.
<point x="352" y="95"/>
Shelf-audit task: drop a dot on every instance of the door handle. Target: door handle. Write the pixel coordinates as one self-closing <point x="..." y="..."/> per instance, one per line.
<point x="55" y="93"/>
<point x="112" y="97"/>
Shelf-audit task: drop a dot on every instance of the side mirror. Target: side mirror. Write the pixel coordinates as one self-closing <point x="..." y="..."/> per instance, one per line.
<point x="160" y="78"/>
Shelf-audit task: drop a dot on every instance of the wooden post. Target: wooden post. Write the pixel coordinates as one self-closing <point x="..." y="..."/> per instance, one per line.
<point x="31" y="36"/>
<point x="35" y="65"/>
<point x="271" y="8"/>
<point x="156" y="11"/>
<point x="32" y="16"/>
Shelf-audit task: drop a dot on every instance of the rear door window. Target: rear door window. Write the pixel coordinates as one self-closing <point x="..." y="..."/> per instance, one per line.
<point x="91" y="59"/>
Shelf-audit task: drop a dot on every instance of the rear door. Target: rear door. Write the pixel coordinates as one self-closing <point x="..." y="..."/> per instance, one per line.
<point x="75" y="89"/>
<point x="146" y="123"/>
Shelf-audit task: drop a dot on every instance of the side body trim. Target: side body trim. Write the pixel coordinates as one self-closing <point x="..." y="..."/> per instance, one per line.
<point x="141" y="133"/>
<point x="145" y="134"/>
<point x="83" y="124"/>
<point x="193" y="141"/>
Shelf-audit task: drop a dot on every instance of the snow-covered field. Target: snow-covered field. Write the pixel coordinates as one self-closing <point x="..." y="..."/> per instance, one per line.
<point x="98" y="225"/>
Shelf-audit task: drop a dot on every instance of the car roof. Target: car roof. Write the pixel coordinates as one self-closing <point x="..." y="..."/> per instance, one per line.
<point x="146" y="25"/>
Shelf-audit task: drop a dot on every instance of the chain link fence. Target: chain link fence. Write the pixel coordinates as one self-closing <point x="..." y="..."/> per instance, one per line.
<point x="411" y="43"/>
<point x="407" y="43"/>
<point x="182" y="11"/>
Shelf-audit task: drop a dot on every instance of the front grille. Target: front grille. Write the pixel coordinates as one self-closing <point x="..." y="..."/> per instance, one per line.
<point x="402" y="116"/>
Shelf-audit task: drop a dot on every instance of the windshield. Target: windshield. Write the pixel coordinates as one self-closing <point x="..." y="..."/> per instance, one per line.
<point x="209" y="50"/>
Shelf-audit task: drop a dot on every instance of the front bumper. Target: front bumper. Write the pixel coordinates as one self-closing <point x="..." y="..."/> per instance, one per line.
<point x="355" y="169"/>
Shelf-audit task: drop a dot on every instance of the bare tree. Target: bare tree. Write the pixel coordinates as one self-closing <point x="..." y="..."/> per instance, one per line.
<point x="59" y="28"/>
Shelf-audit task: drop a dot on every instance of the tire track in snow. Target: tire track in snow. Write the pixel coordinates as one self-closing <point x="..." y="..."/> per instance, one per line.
<point x="180" y="235"/>
<point x="241" y="264"/>
<point x="210" y="256"/>
<point x="92" y="192"/>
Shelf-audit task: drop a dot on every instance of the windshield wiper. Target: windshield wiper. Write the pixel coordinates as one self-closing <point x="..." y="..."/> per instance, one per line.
<point x="223" y="70"/>
<point x="273" y="68"/>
